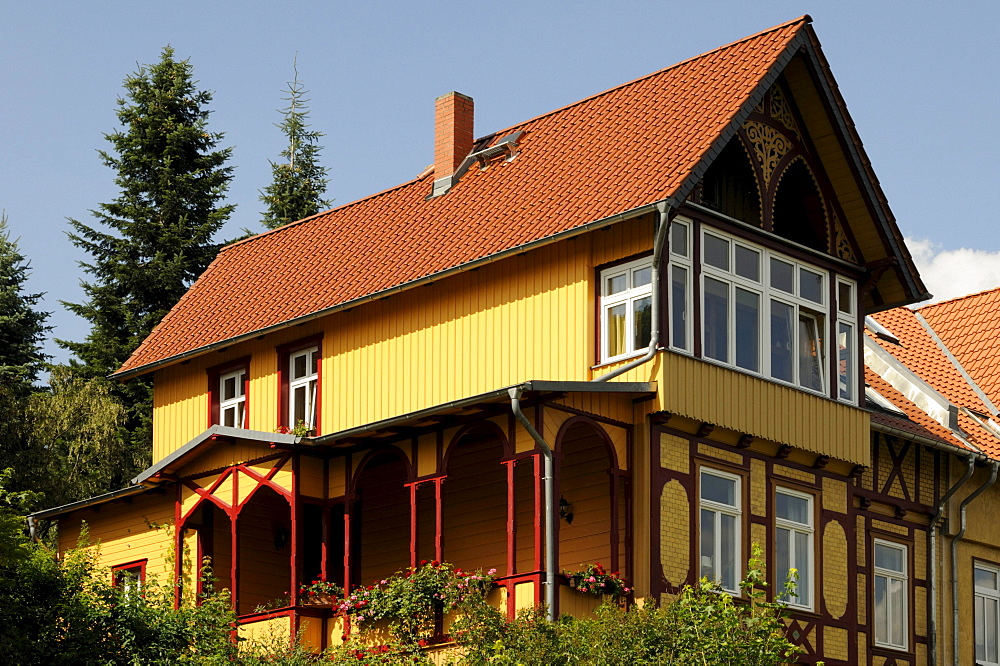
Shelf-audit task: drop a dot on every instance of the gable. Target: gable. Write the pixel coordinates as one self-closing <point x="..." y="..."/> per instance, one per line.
<point x="589" y="165"/>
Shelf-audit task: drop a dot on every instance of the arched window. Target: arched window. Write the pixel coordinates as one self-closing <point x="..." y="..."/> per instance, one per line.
<point x="730" y="186"/>
<point x="798" y="213"/>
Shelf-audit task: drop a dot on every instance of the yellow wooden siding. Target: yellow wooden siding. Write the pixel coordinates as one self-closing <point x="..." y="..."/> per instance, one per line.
<point x="125" y="532"/>
<point x="264" y="567"/>
<point x="584" y="483"/>
<point x="463" y="335"/>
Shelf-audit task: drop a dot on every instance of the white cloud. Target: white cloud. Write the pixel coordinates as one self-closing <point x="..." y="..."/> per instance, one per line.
<point x="951" y="273"/>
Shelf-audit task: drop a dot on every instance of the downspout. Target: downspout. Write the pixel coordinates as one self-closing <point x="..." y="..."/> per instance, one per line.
<point x="932" y="549"/>
<point x="654" y="333"/>
<point x="994" y="466"/>
<point x="550" y="502"/>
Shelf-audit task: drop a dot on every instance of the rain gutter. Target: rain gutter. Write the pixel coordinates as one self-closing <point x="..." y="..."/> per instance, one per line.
<point x="994" y="467"/>
<point x="551" y="517"/>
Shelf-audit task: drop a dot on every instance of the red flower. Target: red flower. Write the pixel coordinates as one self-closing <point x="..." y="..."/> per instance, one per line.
<point x="423" y="563"/>
<point x="435" y="563"/>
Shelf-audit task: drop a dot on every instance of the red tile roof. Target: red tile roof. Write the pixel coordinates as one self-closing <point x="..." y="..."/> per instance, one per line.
<point x="917" y="421"/>
<point x="614" y="152"/>
<point x="970" y="327"/>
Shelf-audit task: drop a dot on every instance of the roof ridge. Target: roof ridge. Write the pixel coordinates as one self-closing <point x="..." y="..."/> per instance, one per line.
<point x="956" y="298"/>
<point x="805" y="19"/>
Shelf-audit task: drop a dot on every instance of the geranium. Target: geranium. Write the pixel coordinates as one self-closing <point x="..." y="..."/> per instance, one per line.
<point x="411" y="599"/>
<point x="320" y="587"/>
<point x="597" y="581"/>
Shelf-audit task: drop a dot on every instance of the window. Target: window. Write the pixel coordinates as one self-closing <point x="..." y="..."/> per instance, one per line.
<point x="228" y="387"/>
<point x="890" y="594"/>
<point x="303" y="382"/>
<point x="129" y="577"/>
<point x="626" y="309"/>
<point x="720" y="528"/>
<point x="764" y="313"/>
<point x="987" y="578"/>
<point x="793" y="539"/>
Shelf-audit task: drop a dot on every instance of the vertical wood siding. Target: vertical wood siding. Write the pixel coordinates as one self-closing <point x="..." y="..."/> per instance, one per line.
<point x="384" y="509"/>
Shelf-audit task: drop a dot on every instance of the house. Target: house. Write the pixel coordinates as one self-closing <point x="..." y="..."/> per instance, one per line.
<point x="630" y="330"/>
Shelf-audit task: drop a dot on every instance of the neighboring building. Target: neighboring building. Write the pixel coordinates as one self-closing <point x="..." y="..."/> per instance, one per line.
<point x="408" y="331"/>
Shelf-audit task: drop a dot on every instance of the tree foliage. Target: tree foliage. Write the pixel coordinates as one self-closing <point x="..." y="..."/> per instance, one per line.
<point x="298" y="181"/>
<point x="22" y="325"/>
<point x="156" y="237"/>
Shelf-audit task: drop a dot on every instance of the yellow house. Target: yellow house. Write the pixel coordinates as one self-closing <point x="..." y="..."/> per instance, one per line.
<point x="628" y="331"/>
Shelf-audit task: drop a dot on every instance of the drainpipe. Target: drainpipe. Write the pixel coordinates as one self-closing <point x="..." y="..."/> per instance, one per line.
<point x="994" y="466"/>
<point x="932" y="549"/>
<point x="550" y="502"/>
<point x="654" y="334"/>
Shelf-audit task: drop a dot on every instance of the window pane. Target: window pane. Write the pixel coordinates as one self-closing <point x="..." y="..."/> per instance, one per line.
<point x="810" y="285"/>
<point x="716" y="320"/>
<point x="748" y="263"/>
<point x="678" y="306"/>
<point x="642" y="313"/>
<point x="229" y="388"/>
<point x="229" y="417"/>
<point x="782" y="275"/>
<point x="717" y="252"/>
<point x="810" y="353"/>
<point x="240" y="414"/>
<point x="887" y="557"/>
<point x="315" y="362"/>
<point x="981" y="629"/>
<point x="679" y="239"/>
<point x="616" y="330"/>
<point x="718" y="489"/>
<point x="990" y="620"/>
<point x="802" y="557"/>
<point x="781" y="340"/>
<point x="783" y="561"/>
<point x="617" y="284"/>
<point x="728" y="555"/>
<point x="986" y="579"/>
<point x="845" y="297"/>
<point x="642" y="276"/>
<point x="708" y="543"/>
<point x="896" y="611"/>
<point x="298" y="366"/>
<point x="298" y="405"/>
<point x="747" y="330"/>
<point x="845" y="361"/>
<point x="881" y="610"/>
<point x="792" y="507"/>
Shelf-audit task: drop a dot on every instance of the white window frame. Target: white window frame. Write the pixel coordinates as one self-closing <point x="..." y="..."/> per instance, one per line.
<point x="987" y="632"/>
<point x="238" y="402"/>
<point x="309" y="381"/>
<point x="894" y="612"/>
<point x="680" y="258"/>
<point x="718" y="510"/>
<point x="805" y="586"/>
<point x="627" y="297"/>
<point x="828" y="322"/>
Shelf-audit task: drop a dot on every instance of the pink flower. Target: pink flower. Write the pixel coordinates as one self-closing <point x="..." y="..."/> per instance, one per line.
<point x="592" y="579"/>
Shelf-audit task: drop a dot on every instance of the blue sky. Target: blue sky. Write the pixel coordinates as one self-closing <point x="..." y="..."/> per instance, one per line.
<point x="919" y="79"/>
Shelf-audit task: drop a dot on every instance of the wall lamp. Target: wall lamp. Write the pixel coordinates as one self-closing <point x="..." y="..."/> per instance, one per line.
<point x="565" y="511"/>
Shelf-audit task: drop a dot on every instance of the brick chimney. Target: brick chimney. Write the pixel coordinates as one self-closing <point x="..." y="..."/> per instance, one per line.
<point x="453" y="114"/>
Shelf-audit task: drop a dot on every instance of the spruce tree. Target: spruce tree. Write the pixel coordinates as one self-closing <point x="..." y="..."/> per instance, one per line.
<point x="156" y="237"/>
<point x="298" y="180"/>
<point x="22" y="325"/>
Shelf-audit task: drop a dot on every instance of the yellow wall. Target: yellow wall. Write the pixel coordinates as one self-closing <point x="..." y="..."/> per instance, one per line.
<point x="127" y="531"/>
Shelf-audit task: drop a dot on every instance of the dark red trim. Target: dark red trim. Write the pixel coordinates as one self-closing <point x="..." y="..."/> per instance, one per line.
<point x="284" y="352"/>
<point x="178" y="548"/>
<point x="511" y="518"/>
<point x="135" y="564"/>
<point x="438" y="522"/>
<point x="295" y="502"/>
<point x="214" y="373"/>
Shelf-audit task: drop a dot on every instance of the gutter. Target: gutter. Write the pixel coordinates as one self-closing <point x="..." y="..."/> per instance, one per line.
<point x="994" y="468"/>
<point x="83" y="504"/>
<point x="659" y="241"/>
<point x="932" y="550"/>
<point x="374" y="296"/>
<point x="551" y="553"/>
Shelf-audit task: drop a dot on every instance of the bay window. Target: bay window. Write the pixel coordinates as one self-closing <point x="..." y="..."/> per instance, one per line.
<point x="987" y="611"/>
<point x="793" y="541"/>
<point x="890" y="594"/>
<point x="763" y="312"/>
<point x="720" y="518"/>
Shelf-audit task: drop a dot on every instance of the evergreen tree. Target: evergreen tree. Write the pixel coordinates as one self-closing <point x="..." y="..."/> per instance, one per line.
<point x="22" y="326"/>
<point x="155" y="238"/>
<point x="298" y="181"/>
